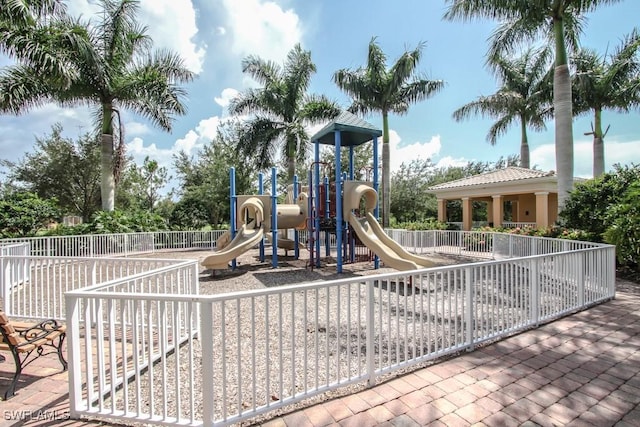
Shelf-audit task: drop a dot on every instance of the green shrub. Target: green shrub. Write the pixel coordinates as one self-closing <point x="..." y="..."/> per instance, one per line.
<point x="588" y="205"/>
<point x="116" y="222"/>
<point x="25" y="214"/>
<point x="623" y="230"/>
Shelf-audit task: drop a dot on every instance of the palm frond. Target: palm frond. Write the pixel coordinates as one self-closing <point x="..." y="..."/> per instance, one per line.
<point x="419" y="90"/>
<point x="466" y="10"/>
<point x="376" y="62"/>
<point x="21" y="89"/>
<point x="404" y="68"/>
<point x="264" y="72"/>
<point x="500" y="128"/>
<point x="259" y="139"/>
<point x="318" y="108"/>
<point x="511" y="35"/>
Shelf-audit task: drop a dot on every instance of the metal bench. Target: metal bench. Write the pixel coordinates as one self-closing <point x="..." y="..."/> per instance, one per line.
<point x="28" y="341"/>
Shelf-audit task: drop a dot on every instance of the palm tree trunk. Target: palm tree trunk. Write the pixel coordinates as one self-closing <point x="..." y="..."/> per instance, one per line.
<point x="386" y="172"/>
<point x="598" y="145"/>
<point x="524" y="145"/>
<point x="563" y="117"/>
<point x="107" y="185"/>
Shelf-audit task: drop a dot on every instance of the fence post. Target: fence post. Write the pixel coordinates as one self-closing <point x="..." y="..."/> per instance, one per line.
<point x="535" y="291"/>
<point x="470" y="307"/>
<point x="73" y="354"/>
<point x="5" y="285"/>
<point x="371" y="368"/>
<point x="580" y="261"/>
<point x="206" y="337"/>
<point x="510" y="246"/>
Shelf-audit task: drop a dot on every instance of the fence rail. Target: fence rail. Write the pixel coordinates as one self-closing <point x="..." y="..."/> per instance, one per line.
<point x="161" y="356"/>
<point x="124" y="244"/>
<point x="42" y="295"/>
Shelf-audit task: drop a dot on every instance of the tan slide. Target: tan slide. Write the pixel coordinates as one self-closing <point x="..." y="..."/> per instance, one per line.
<point x="247" y="238"/>
<point x="371" y="233"/>
<point x="249" y="235"/>
<point x="364" y="231"/>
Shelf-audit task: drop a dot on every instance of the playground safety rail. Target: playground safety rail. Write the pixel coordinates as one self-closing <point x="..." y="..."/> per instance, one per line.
<point x="169" y="357"/>
<point x="33" y="287"/>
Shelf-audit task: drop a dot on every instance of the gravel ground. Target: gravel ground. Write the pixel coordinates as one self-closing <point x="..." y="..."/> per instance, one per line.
<point x="328" y="337"/>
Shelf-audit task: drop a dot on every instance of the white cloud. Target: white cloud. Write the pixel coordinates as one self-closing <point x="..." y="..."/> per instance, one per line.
<point x="449" y="162"/>
<point x="262" y="28"/>
<point x="137" y="128"/>
<point x="170" y="23"/>
<point x="408" y="152"/>
<point x="544" y="156"/>
<point x="225" y="97"/>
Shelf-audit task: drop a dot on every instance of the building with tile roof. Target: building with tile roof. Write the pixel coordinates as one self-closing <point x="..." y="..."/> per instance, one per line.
<point x="533" y="196"/>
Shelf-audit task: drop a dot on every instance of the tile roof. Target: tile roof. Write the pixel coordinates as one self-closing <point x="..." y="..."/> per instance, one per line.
<point x="509" y="174"/>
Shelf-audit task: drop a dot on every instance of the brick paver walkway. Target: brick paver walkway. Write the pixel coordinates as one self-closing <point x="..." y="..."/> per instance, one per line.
<point x="582" y="370"/>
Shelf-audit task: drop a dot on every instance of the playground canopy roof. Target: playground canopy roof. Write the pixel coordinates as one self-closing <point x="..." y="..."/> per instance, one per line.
<point x="353" y="131"/>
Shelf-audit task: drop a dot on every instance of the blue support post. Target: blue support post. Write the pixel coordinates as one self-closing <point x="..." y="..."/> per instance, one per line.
<point x="337" y="136"/>
<point x="274" y="220"/>
<point x="376" y="260"/>
<point x="311" y="234"/>
<point x="233" y="202"/>
<point x="317" y="206"/>
<point x="345" y="228"/>
<point x="296" y="239"/>
<point x="327" y="214"/>
<point x="261" y="192"/>
<point x="351" y="147"/>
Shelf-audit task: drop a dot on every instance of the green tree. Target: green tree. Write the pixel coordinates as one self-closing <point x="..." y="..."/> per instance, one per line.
<point x="204" y="197"/>
<point x="522" y="22"/>
<point x="376" y="88"/>
<point x="523" y="97"/>
<point x="280" y="110"/>
<point x="410" y="200"/>
<point x="116" y="69"/>
<point x="362" y="162"/>
<point x="589" y="204"/>
<point x="604" y="82"/>
<point x="24" y="214"/>
<point x="143" y="185"/>
<point x="62" y="168"/>
<point x="623" y="231"/>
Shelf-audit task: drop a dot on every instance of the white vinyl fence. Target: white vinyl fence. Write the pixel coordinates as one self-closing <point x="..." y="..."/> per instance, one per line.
<point x="46" y="279"/>
<point x="123" y="244"/>
<point x="17" y="272"/>
<point x="141" y="350"/>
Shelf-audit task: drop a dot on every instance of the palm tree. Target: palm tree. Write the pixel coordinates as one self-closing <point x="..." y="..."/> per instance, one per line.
<point x="386" y="90"/>
<point x="560" y="21"/>
<point x="524" y="97"/>
<point x="602" y="82"/>
<point x="36" y="32"/>
<point x="115" y="69"/>
<point x="280" y="110"/>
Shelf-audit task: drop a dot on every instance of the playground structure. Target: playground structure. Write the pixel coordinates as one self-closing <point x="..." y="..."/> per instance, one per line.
<point x="319" y="208"/>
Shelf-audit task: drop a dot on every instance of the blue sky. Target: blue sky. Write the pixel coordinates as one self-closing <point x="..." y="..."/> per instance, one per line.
<point x="214" y="35"/>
